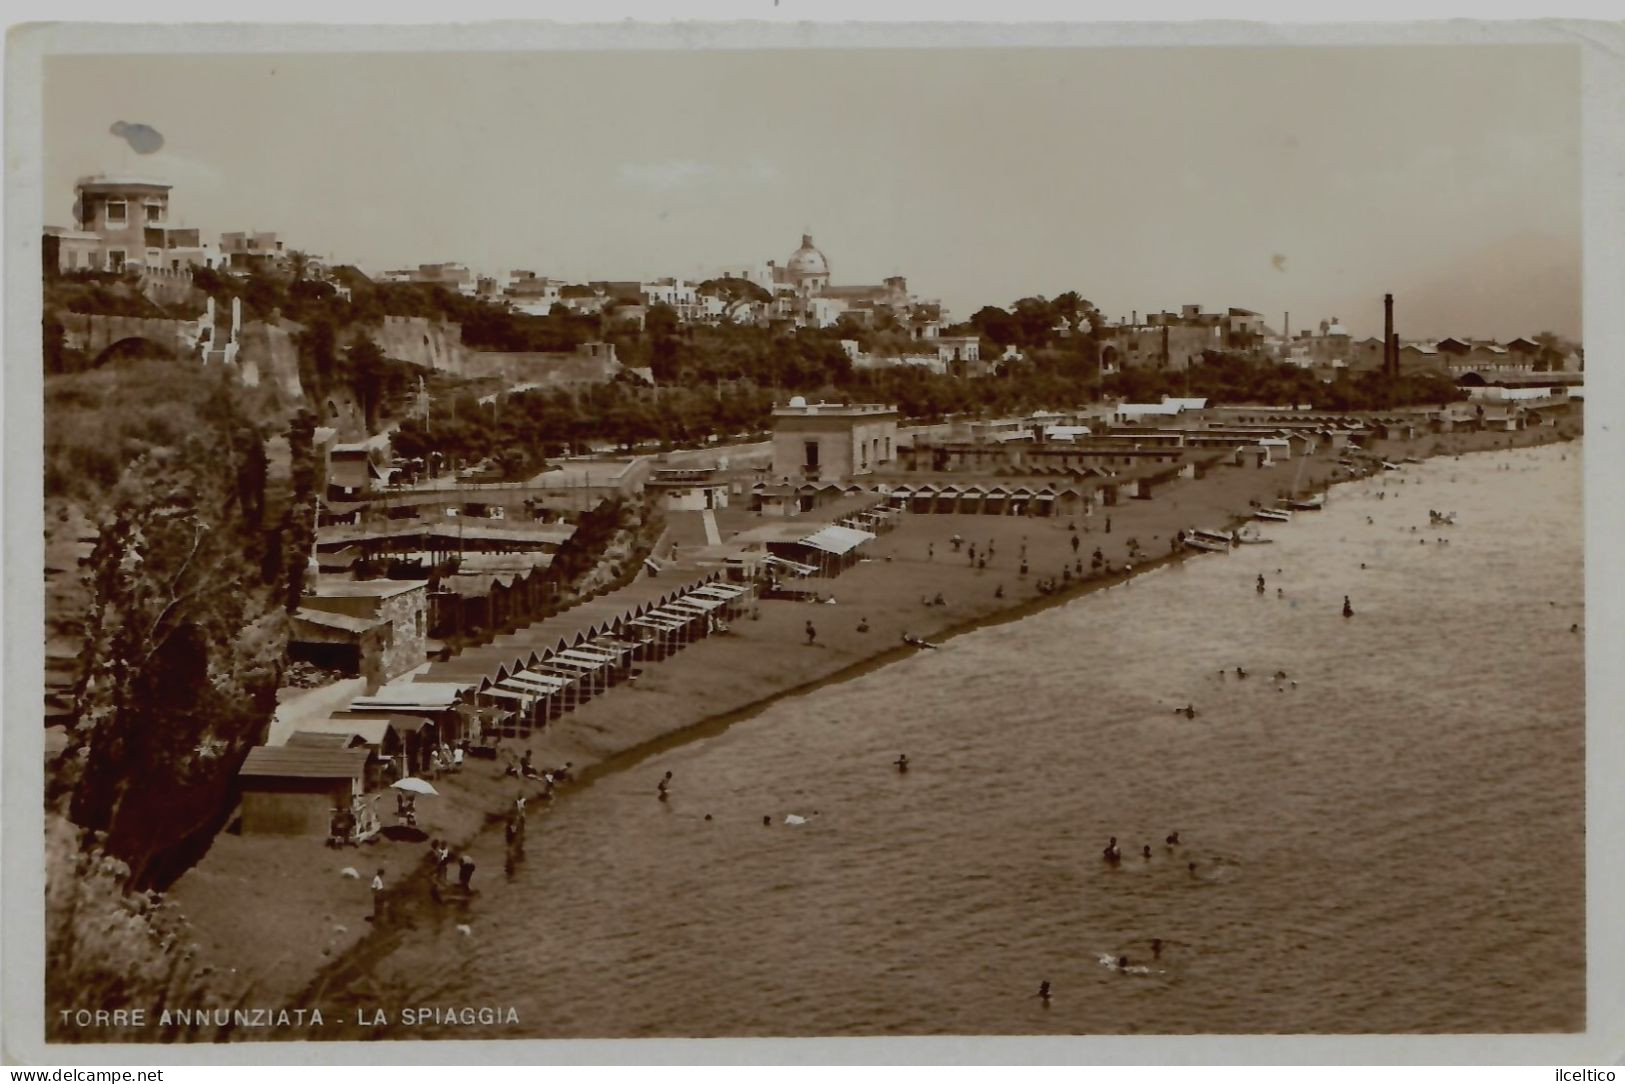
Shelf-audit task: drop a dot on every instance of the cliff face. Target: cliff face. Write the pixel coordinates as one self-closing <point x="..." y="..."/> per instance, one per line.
<point x="183" y="642"/>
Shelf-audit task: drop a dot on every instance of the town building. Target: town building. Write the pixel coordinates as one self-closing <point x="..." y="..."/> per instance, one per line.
<point x="819" y="442"/>
<point x="128" y="214"/>
<point x="688" y="489"/>
<point x="251" y="251"/>
<point x="401" y="607"/>
<point x="802" y="291"/>
<point x="452" y="276"/>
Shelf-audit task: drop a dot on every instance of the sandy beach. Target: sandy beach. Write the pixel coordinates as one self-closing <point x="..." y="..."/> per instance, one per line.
<point x="318" y="929"/>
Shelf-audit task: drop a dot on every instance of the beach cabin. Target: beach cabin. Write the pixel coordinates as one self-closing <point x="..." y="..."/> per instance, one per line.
<point x="377" y="736"/>
<point x="296" y="789"/>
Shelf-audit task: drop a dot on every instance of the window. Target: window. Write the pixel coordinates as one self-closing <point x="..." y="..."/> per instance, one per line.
<point x="810" y="448"/>
<point x="115" y="259"/>
<point x="155" y="212"/>
<point x="117" y="213"/>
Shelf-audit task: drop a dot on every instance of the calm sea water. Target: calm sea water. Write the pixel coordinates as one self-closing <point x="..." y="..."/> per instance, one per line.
<point x="1395" y="844"/>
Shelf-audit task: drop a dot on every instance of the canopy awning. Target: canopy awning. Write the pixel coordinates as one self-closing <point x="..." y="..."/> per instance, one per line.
<point x="512" y="694"/>
<point x="660" y="623"/>
<point x="721" y="591"/>
<point x="794" y="566"/>
<point x="593" y="658"/>
<point x="563" y="662"/>
<point x="538" y="682"/>
<point x="837" y="540"/>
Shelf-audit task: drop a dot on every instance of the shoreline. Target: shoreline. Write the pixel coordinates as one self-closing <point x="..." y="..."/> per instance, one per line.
<point x="609" y="735"/>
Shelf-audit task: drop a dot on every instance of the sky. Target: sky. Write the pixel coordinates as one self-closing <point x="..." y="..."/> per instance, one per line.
<point x="1307" y="180"/>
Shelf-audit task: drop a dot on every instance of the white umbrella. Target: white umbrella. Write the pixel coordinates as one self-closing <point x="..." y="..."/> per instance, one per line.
<point x="415" y="785"/>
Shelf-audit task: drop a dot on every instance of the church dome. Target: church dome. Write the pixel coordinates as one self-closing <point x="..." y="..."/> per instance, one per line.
<point x="807" y="260"/>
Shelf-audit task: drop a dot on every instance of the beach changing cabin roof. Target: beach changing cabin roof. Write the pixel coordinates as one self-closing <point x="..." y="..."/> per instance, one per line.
<point x="304" y="762"/>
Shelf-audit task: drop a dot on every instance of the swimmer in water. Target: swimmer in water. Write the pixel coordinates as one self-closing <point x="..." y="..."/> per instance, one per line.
<point x="1192" y="868"/>
<point x="767" y="821"/>
<point x="1156" y="947"/>
<point x="1111" y="853"/>
<point x="1240" y="673"/>
<point x="1122" y="964"/>
<point x="1145" y="852"/>
<point x="1348" y="608"/>
<point x="661" y="787"/>
<point x="901" y="762"/>
<point x="1574" y="628"/>
<point x="1190" y="711"/>
<point x="1043" y="991"/>
<point x="1173" y="839"/>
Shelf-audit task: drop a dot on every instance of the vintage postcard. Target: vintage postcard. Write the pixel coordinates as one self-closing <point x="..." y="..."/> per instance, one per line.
<point x="531" y="532"/>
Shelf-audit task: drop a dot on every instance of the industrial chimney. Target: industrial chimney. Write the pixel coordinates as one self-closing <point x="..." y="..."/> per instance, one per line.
<point x="1390" y="352"/>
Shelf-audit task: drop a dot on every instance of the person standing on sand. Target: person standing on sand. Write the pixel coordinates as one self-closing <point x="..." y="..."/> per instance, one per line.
<point x="1076" y="541"/>
<point x="1348" y="609"/>
<point x="378" y="894"/>
<point x="930" y="551"/>
<point x="812" y="633"/>
<point x="1108" y="525"/>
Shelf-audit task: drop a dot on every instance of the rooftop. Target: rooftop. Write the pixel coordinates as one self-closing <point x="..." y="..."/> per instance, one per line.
<point x="800" y="408"/>
<point x="338" y="587"/>
<point x="109" y="180"/>
<point x="304" y="762"/>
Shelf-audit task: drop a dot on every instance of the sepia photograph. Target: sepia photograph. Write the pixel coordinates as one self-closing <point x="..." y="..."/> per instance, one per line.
<point x="787" y="542"/>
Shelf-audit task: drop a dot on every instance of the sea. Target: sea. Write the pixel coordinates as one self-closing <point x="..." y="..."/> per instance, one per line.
<point x="1381" y="827"/>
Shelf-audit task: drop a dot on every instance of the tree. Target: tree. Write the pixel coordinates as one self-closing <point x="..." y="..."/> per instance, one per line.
<point x="372" y="376"/>
<point x="997" y="325"/>
<point x="1035" y="321"/>
<point x="1553" y="350"/>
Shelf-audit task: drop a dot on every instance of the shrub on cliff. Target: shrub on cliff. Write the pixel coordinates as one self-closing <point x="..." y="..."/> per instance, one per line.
<point x="112" y="948"/>
<point x="184" y="639"/>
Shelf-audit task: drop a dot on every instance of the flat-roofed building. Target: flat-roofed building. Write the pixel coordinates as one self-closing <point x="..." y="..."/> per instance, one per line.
<point x="832" y="441"/>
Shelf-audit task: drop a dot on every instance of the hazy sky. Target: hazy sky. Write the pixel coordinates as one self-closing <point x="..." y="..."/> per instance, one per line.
<point x="1308" y="180"/>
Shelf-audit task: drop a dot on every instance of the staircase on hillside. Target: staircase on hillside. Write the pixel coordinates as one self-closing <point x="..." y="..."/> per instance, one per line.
<point x="708" y="519"/>
<point x="222" y="348"/>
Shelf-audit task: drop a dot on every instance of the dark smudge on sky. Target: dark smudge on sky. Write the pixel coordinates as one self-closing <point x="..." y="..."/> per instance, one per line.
<point x="142" y="138"/>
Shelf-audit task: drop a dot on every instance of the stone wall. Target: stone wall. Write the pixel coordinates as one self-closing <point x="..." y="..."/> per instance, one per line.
<point x="268" y="353"/>
<point x="543" y="368"/>
<point x="93" y="334"/>
<point x="433" y="344"/>
<point x="408" y="615"/>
